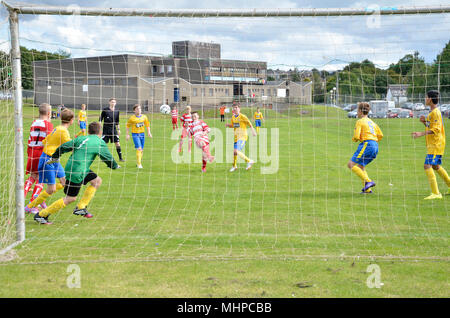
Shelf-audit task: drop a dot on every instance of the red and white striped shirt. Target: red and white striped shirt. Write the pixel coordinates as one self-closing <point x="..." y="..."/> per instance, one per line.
<point x="186" y="119"/>
<point x="199" y="130"/>
<point x="174" y="114"/>
<point x="39" y="130"/>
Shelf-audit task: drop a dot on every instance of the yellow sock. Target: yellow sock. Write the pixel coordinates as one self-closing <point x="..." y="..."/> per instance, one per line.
<point x="360" y="173"/>
<point x="432" y="180"/>
<point x="257" y="130"/>
<point x="87" y="197"/>
<point x="444" y="175"/>
<point x="243" y="156"/>
<point x="59" y="186"/>
<point x="234" y="161"/>
<point x="55" y="207"/>
<point x="366" y="176"/>
<point x="41" y="198"/>
<point x="139" y="154"/>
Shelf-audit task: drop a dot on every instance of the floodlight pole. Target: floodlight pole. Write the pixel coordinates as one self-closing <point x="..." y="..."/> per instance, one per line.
<point x="18" y="124"/>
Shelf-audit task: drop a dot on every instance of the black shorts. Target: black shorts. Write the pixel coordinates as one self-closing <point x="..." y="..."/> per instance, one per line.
<point x="72" y="189"/>
<point x="110" y="137"/>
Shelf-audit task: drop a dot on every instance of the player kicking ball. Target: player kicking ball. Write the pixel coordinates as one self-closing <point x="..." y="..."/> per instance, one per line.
<point x="199" y="131"/>
<point x="186" y="120"/>
<point x="368" y="134"/>
<point x="84" y="151"/>
<point x="435" y="140"/>
<point x="239" y="123"/>
<point x="138" y="122"/>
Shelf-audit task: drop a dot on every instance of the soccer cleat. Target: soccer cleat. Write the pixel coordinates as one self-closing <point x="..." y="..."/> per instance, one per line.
<point x="31" y="210"/>
<point x="211" y="159"/>
<point x="82" y="212"/>
<point x="140" y="167"/>
<point x="41" y="219"/>
<point x="122" y="160"/>
<point x="366" y="192"/>
<point x="368" y="185"/>
<point x="433" y="196"/>
<point x="249" y="165"/>
<point x="233" y="168"/>
<point x="203" y="169"/>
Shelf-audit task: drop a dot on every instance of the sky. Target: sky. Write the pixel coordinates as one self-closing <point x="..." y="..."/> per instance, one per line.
<point x="322" y="42"/>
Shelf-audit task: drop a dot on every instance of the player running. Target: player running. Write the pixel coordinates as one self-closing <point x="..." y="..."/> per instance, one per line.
<point x="82" y="121"/>
<point x="258" y="116"/>
<point x="435" y="140"/>
<point x="239" y="123"/>
<point x="174" y="117"/>
<point x="138" y="122"/>
<point x="39" y="130"/>
<point x="186" y="119"/>
<point x="49" y="172"/>
<point x="111" y="129"/>
<point x="199" y="131"/>
<point x="84" y="151"/>
<point x="368" y="134"/>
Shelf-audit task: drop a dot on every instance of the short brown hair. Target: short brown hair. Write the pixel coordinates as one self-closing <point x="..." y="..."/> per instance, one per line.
<point x="364" y="107"/>
<point x="113" y="98"/>
<point x="94" y="128"/>
<point x="194" y="113"/>
<point x="136" y="106"/>
<point x="44" y="109"/>
<point x="66" y="115"/>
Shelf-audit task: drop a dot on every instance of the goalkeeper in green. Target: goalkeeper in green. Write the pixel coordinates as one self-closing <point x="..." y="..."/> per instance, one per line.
<point x="84" y="150"/>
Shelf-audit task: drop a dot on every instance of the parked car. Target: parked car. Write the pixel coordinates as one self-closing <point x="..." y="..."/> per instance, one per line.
<point x="394" y="113"/>
<point x="350" y="107"/>
<point x="405" y="113"/>
<point x="419" y="106"/>
<point x="352" y="114"/>
<point x="408" y="105"/>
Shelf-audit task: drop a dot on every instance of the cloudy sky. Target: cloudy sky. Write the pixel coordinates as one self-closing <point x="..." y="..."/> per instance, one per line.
<point x="324" y="43"/>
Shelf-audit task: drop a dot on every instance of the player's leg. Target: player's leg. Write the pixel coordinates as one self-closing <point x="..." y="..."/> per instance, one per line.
<point x="95" y="183"/>
<point x="28" y="184"/>
<point x="431" y="161"/>
<point x="118" y="149"/>
<point x="442" y="173"/>
<point x="137" y="140"/>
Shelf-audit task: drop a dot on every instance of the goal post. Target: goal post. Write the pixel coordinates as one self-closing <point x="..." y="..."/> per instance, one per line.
<point x="23" y="9"/>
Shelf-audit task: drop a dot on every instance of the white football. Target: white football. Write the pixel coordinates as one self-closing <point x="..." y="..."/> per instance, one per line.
<point x="164" y="109"/>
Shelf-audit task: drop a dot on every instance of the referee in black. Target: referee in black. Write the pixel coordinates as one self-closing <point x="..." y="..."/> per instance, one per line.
<point x="111" y="129"/>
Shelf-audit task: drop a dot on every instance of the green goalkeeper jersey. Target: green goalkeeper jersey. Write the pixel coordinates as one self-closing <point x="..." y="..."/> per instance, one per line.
<point x="85" y="150"/>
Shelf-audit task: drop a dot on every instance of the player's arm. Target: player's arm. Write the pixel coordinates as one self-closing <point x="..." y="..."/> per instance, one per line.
<point x="102" y="115"/>
<point x="65" y="147"/>
<point x="379" y="133"/>
<point x="357" y="132"/>
<point x="250" y="124"/>
<point x="106" y="156"/>
<point x="147" y="124"/>
<point x="117" y="123"/>
<point x="128" y="128"/>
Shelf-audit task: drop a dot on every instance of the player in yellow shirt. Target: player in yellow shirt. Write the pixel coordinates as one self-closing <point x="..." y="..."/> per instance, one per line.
<point x="435" y="140"/>
<point x="49" y="172"/>
<point x="258" y="116"/>
<point x="368" y="134"/>
<point x="138" y="122"/>
<point x="240" y="122"/>
<point x="82" y="121"/>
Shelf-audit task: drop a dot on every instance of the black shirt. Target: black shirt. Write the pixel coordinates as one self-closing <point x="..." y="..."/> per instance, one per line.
<point x="110" y="119"/>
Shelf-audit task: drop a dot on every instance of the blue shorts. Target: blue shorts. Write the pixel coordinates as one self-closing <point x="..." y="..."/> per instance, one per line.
<point x="139" y="140"/>
<point x="366" y="152"/>
<point x="49" y="173"/>
<point x="82" y="125"/>
<point x="257" y="122"/>
<point x="239" y="145"/>
<point x="433" y="160"/>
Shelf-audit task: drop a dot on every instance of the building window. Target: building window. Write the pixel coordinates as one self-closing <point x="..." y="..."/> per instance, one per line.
<point x="211" y="92"/>
<point x="262" y="92"/>
<point x="161" y="69"/>
<point x="203" y="92"/>
<point x="169" y="69"/>
<point x="108" y="81"/>
<point x="227" y="92"/>
<point x="194" y="92"/>
<point x="93" y="81"/>
<point x="155" y="69"/>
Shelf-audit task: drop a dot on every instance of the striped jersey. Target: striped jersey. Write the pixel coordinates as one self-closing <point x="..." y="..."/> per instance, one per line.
<point x="58" y="136"/>
<point x="174" y="114"/>
<point x="186" y="119"/>
<point x="199" y="130"/>
<point x="39" y="130"/>
<point x="82" y="115"/>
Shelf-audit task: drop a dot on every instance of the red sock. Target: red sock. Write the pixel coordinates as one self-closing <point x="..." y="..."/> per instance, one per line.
<point x="28" y="184"/>
<point x="181" y="144"/>
<point x="204" y="164"/>
<point x="206" y="151"/>
<point x="37" y="190"/>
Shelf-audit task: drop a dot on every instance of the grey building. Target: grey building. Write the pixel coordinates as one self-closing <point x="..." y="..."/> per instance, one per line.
<point x="194" y="75"/>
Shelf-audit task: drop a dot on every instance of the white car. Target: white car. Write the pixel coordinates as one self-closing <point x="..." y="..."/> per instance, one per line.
<point x="419" y="106"/>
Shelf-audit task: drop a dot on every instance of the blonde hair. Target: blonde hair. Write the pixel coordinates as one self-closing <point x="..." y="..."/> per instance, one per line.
<point x="66" y="115"/>
<point x="44" y="109"/>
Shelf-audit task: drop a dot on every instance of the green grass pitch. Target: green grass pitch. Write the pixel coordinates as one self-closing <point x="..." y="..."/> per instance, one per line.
<point x="170" y="231"/>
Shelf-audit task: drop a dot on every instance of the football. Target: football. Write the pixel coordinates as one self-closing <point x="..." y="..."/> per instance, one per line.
<point x="164" y="109"/>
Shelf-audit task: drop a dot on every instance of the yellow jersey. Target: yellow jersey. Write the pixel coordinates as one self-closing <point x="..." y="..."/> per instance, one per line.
<point x="138" y="124"/>
<point x="257" y="116"/>
<point x="82" y="115"/>
<point x="58" y="136"/>
<point x="366" y="129"/>
<point x="436" y="141"/>
<point x="240" y="124"/>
